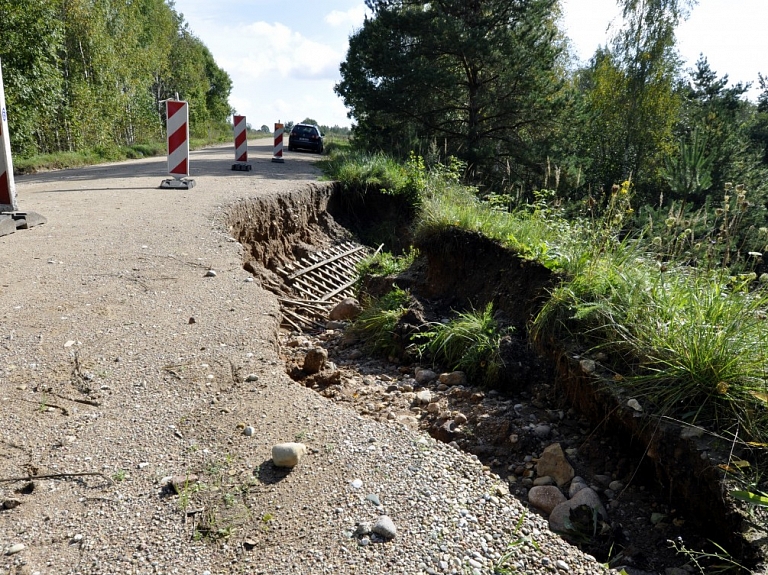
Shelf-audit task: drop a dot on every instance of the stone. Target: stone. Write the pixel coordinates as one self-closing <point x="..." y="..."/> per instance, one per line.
<point x="554" y="464"/>
<point x="433" y="408"/>
<point x="288" y="454"/>
<point x="249" y="431"/>
<point x="545" y="480"/>
<point x="587" y="365"/>
<point x="17" y="548"/>
<point x="181" y="482"/>
<point x="577" y="484"/>
<point x="545" y="497"/>
<point x="363" y="528"/>
<point x="453" y="378"/>
<point x="210" y="274"/>
<point x="373" y="498"/>
<point x="560" y="520"/>
<point x="11" y="503"/>
<point x="315" y="360"/>
<point x="542" y="431"/>
<point x="424" y="376"/>
<point x="460" y="419"/>
<point x="347" y="309"/>
<point x="385" y="527"/>
<point x="424" y="397"/>
<point x="691" y="432"/>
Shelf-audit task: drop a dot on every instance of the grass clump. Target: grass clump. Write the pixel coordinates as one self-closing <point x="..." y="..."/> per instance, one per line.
<point x="376" y="325"/>
<point x="470" y="342"/>
<point x="384" y="264"/>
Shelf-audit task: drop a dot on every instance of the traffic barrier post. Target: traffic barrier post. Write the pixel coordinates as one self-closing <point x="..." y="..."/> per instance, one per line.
<point x="10" y="218"/>
<point x="7" y="183"/>
<point x="277" y="156"/>
<point x="241" y="144"/>
<point x="177" y="127"/>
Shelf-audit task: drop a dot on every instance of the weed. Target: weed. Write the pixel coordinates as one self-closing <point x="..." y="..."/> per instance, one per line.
<point x="120" y="475"/>
<point x="513" y="549"/>
<point x="301" y="436"/>
<point x="716" y="562"/>
<point x="469" y="343"/>
<point x="376" y="325"/>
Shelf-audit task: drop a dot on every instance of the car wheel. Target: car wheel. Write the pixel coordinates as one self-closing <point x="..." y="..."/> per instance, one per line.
<point x="320" y="150"/>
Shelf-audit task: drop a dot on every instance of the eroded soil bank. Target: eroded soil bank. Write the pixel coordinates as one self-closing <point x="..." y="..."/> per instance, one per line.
<point x="670" y="472"/>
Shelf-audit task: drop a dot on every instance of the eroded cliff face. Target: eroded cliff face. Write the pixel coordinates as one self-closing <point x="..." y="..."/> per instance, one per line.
<point x="459" y="270"/>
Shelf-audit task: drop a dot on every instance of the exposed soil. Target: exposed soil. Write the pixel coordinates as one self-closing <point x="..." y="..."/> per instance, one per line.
<point x="671" y="484"/>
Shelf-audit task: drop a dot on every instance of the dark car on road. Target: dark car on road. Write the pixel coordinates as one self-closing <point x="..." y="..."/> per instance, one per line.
<point x="307" y="137"/>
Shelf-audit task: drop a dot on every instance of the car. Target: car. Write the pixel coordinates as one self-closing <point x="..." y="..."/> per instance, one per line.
<point x="307" y="137"/>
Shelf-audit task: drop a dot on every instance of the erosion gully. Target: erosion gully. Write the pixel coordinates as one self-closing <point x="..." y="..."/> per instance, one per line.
<point x="674" y="488"/>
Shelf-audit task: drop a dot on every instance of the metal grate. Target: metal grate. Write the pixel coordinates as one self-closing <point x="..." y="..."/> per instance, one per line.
<point x="319" y="281"/>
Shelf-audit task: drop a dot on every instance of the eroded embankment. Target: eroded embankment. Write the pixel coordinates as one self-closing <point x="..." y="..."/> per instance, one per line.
<point x="462" y="270"/>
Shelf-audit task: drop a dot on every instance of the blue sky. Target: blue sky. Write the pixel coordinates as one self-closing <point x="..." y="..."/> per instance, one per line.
<point x="284" y="56"/>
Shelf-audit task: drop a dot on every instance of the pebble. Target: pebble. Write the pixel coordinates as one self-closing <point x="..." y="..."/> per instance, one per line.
<point x="373" y="498"/>
<point x="17" y="548"/>
<point x="210" y="274"/>
<point x="288" y="454"/>
<point x="385" y="527"/>
<point x="249" y="431"/>
<point x="356" y="483"/>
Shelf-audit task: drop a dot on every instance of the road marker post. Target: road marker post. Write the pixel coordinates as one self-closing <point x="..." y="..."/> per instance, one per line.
<point x="177" y="127"/>
<point x="241" y="144"/>
<point x="10" y="218"/>
<point x="277" y="156"/>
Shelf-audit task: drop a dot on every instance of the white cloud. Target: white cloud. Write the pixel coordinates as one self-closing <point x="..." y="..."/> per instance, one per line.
<point x="352" y="18"/>
<point x="264" y="51"/>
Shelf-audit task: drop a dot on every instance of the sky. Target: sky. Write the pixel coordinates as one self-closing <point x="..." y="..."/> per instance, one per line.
<point x="284" y="56"/>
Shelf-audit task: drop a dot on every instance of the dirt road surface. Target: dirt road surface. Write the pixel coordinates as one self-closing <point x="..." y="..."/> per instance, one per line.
<point x="134" y="348"/>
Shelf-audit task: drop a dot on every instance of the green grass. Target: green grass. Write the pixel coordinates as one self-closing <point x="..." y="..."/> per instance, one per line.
<point x="376" y="325"/>
<point x="468" y="343"/>
<point x="384" y="263"/>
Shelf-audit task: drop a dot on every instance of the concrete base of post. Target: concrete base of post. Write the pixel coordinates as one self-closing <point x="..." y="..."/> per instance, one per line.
<point x="241" y="167"/>
<point x="177" y="184"/>
<point x="12" y="221"/>
<point x="278" y="159"/>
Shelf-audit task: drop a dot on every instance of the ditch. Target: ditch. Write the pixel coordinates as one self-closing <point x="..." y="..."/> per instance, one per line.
<point x="673" y="483"/>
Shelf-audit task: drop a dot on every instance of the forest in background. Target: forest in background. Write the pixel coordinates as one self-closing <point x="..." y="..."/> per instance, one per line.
<point x="492" y="82"/>
<point x="93" y="74"/>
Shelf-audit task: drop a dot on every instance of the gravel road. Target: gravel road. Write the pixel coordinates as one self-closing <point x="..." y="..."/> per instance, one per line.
<point x="125" y="361"/>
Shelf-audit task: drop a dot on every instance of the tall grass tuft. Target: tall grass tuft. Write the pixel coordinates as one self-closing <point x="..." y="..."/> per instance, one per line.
<point x="469" y="343"/>
<point x="376" y="325"/>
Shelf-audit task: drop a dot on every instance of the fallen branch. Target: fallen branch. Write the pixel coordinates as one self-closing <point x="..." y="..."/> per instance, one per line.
<point x="53" y="476"/>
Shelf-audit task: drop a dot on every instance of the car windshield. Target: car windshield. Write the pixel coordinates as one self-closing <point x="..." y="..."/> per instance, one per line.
<point x="304" y="130"/>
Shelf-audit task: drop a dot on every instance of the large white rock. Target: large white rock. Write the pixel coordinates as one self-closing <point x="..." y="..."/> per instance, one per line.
<point x="288" y="454"/>
<point x="385" y="527"/>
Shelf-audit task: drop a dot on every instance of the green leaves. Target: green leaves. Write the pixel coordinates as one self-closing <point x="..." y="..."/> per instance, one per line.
<point x="87" y="74"/>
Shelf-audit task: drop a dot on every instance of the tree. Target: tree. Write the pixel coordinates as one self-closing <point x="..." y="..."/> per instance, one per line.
<point x="629" y="103"/>
<point x="31" y="38"/>
<point x="482" y="78"/>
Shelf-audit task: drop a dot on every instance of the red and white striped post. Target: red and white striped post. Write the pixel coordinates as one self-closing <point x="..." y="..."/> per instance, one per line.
<point x="177" y="125"/>
<point x="7" y="183"/>
<point x="10" y="219"/>
<point x="241" y="144"/>
<point x="277" y="156"/>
